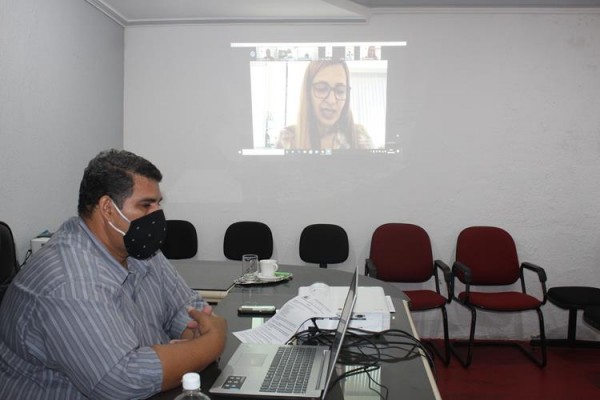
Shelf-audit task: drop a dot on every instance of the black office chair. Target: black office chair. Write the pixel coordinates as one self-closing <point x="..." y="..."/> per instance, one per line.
<point x="591" y="315"/>
<point x="248" y="237"/>
<point x="9" y="265"/>
<point x="324" y="244"/>
<point x="573" y="298"/>
<point x="181" y="241"/>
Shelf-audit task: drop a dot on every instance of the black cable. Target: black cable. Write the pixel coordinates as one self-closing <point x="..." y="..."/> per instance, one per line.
<point x="383" y="387"/>
<point x="27" y="255"/>
<point x="368" y="350"/>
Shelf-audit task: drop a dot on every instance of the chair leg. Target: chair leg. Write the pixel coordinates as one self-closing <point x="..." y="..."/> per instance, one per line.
<point x="541" y="361"/>
<point x="542" y="338"/>
<point x="571" y="340"/>
<point x="471" y="338"/>
<point x="572" y="327"/>
<point x="445" y="356"/>
<point x="466" y="361"/>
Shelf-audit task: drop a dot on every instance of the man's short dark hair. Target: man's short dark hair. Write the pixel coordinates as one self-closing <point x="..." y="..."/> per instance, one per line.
<point x="111" y="173"/>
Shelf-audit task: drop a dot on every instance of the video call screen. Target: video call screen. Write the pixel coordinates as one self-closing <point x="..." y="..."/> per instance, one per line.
<point x="319" y="98"/>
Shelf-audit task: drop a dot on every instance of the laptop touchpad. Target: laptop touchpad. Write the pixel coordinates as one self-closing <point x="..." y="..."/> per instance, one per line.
<point x="252" y="359"/>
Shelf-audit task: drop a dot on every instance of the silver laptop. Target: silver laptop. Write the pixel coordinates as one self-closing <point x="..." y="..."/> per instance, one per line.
<point x="256" y="370"/>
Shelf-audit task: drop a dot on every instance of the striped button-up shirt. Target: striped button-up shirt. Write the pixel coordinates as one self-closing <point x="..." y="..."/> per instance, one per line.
<point x="76" y="324"/>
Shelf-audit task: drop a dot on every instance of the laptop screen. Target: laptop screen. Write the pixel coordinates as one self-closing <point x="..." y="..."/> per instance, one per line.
<point x="340" y="332"/>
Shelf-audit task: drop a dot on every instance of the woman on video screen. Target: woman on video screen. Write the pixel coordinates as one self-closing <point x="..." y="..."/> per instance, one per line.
<point x="325" y="120"/>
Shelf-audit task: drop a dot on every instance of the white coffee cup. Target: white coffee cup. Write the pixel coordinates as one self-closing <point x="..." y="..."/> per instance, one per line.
<point x="268" y="267"/>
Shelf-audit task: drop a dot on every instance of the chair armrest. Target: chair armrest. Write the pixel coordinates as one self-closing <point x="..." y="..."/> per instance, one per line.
<point x="466" y="273"/>
<point x="370" y="268"/>
<point x="445" y="269"/>
<point x="541" y="275"/>
<point x="442" y="266"/>
<point x="537" y="269"/>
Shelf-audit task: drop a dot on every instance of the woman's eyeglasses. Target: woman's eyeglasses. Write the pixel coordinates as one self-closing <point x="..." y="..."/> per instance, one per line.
<point x="321" y="90"/>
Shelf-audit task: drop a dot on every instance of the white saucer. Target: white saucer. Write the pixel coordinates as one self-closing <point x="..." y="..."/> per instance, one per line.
<point x="266" y="278"/>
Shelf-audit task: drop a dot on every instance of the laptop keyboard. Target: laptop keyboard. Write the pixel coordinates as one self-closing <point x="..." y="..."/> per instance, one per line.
<point x="289" y="370"/>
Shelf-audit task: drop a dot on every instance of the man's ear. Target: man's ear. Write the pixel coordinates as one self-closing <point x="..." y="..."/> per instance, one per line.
<point x="106" y="207"/>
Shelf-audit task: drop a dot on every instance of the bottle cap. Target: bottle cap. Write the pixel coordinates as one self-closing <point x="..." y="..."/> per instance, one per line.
<point x="191" y="381"/>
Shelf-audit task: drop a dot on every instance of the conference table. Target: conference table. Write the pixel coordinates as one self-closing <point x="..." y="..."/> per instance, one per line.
<point x="407" y="379"/>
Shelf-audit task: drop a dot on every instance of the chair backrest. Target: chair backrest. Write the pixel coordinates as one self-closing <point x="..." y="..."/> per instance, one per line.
<point x="402" y="253"/>
<point x="324" y="244"/>
<point x="8" y="257"/>
<point x="181" y="241"/>
<point x="248" y="237"/>
<point x="490" y="253"/>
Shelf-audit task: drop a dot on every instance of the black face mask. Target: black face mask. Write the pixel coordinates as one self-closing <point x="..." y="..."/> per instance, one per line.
<point x="145" y="235"/>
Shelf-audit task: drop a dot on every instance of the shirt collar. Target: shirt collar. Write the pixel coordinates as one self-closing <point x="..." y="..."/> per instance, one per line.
<point x="140" y="267"/>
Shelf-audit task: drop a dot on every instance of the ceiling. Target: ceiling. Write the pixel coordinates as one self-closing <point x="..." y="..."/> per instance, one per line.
<point x="137" y="12"/>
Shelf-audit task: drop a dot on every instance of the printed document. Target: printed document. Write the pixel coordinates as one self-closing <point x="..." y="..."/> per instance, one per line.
<point x="286" y="322"/>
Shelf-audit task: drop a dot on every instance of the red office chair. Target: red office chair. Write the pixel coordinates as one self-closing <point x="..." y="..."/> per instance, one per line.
<point x="487" y="256"/>
<point x="402" y="253"/>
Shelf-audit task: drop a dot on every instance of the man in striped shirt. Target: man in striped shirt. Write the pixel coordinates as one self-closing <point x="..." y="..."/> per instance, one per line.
<point x="95" y="312"/>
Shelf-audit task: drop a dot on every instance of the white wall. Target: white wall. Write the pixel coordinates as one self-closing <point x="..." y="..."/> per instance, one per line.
<point x="61" y="102"/>
<point x="500" y="127"/>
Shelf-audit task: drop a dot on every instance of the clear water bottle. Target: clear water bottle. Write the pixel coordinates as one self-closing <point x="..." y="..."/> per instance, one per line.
<point x="191" y="388"/>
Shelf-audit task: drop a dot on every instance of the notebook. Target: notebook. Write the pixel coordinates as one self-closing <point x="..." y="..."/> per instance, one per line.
<point x="251" y="370"/>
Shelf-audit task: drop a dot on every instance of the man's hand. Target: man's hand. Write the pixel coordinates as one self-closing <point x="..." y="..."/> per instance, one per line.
<point x="204" y="321"/>
<point x="192" y="330"/>
<point x="193" y="354"/>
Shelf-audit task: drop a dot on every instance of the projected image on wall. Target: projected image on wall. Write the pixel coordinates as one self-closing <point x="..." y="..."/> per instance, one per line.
<point x="318" y="99"/>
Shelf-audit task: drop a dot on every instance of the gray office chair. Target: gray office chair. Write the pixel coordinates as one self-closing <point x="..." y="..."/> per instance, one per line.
<point x="8" y="258"/>
<point x="324" y="244"/>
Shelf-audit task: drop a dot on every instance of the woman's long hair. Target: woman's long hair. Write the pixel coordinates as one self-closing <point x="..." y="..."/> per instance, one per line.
<point x="307" y="131"/>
